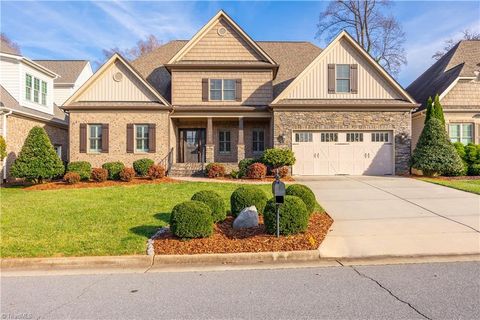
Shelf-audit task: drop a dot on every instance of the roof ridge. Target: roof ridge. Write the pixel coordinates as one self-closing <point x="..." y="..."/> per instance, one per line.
<point x="60" y="60"/>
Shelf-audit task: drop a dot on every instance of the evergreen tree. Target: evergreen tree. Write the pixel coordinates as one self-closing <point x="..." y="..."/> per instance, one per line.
<point x="438" y="110"/>
<point x="37" y="159"/>
<point x="430" y="110"/>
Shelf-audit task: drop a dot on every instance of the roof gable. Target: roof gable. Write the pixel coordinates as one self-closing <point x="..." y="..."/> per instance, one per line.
<point x="374" y="81"/>
<point x="68" y="70"/>
<point x="116" y="80"/>
<point x="221" y="39"/>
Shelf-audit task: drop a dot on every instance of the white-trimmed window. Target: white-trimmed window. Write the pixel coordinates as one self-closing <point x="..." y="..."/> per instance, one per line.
<point x="44" y="93"/>
<point x="354" y="136"/>
<point x="222" y="89"/>
<point x="141" y="138"/>
<point x="95" y="137"/>
<point x="224" y="141"/>
<point x="58" y="150"/>
<point x="329" y="137"/>
<point x="342" y="81"/>
<point x="303" y="137"/>
<point x="380" y="136"/>
<point x="36" y="90"/>
<point x="258" y="138"/>
<point x="28" y="87"/>
<point x="461" y="132"/>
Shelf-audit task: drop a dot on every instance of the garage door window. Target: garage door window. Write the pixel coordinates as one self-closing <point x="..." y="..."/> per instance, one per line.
<point x="329" y="137"/>
<point x="379" y="136"/>
<point x="354" y="137"/>
<point x="303" y="137"/>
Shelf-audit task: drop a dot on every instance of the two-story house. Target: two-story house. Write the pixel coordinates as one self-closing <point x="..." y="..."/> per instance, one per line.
<point x="222" y="97"/>
<point x="456" y="79"/>
<point x="28" y="98"/>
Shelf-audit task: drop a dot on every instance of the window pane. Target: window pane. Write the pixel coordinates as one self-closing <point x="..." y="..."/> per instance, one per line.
<point x="467" y="130"/>
<point x="216" y="84"/>
<point x="142" y="137"/>
<point x="229" y="95"/>
<point x="343" y="85"/>
<point x="343" y="71"/>
<point x="229" y="84"/>
<point x="215" y="95"/>
<point x="95" y="139"/>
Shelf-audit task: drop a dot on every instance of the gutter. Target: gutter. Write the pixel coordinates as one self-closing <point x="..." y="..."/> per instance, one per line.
<point x="5" y="113"/>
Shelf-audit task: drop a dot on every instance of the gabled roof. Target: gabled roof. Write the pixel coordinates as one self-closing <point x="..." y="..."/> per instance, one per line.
<point x="68" y="70"/>
<point x="210" y="24"/>
<point x="345" y="35"/>
<point x="460" y="62"/>
<point x="116" y="57"/>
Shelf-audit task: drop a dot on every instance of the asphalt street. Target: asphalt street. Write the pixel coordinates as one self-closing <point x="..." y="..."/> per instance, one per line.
<point x="408" y="291"/>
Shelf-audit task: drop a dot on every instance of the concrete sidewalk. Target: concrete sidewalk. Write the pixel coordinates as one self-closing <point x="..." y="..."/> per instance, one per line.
<point x="395" y="216"/>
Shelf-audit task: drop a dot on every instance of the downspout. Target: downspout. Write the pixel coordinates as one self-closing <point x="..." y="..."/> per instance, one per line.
<point x="4" y="134"/>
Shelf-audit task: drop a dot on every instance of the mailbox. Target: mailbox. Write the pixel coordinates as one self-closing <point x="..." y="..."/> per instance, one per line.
<point x="278" y="190"/>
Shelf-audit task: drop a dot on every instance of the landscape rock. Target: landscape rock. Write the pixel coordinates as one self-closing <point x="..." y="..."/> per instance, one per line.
<point x="247" y="218"/>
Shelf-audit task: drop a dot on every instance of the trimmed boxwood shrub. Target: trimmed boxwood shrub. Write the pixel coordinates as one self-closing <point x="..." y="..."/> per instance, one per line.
<point x="141" y="166"/>
<point x="71" y="177"/>
<point x="277" y="157"/>
<point x="214" y="201"/>
<point x="156" y="172"/>
<point x="474" y="169"/>
<point x="113" y="169"/>
<point x="214" y="170"/>
<point x="127" y="174"/>
<point x="244" y="164"/>
<point x="83" y="168"/>
<point x="99" y="174"/>
<point x="191" y="219"/>
<point x="293" y="216"/>
<point x="304" y="193"/>
<point x="247" y="196"/>
<point x="257" y="171"/>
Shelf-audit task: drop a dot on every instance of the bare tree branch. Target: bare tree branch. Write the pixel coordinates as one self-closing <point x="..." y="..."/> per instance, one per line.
<point x="10" y="43"/>
<point x="450" y="43"/>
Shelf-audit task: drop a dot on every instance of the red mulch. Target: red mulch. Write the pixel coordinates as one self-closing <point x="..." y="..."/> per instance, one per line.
<point x="227" y="240"/>
<point x="92" y="184"/>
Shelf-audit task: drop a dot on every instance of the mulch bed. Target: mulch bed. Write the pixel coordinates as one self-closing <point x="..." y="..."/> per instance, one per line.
<point x="92" y="184"/>
<point x="227" y="240"/>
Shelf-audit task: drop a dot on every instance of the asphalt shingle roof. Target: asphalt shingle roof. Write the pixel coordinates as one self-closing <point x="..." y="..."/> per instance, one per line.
<point x="68" y="70"/>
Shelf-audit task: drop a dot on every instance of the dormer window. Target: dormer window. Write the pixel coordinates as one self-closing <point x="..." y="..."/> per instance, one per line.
<point x="222" y="89"/>
<point x="39" y="88"/>
<point x="28" y="87"/>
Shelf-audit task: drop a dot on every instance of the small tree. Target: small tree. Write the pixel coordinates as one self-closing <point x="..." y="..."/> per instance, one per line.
<point x="434" y="154"/>
<point x="438" y="110"/>
<point x="430" y="110"/>
<point x="3" y="148"/>
<point x="37" y="159"/>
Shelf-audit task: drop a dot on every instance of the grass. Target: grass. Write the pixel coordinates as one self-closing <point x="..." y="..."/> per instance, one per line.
<point x="472" y="186"/>
<point x="95" y="221"/>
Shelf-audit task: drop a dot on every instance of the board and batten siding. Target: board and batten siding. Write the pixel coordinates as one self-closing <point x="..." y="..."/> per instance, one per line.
<point x="229" y="47"/>
<point x="105" y="88"/>
<point x="371" y="84"/>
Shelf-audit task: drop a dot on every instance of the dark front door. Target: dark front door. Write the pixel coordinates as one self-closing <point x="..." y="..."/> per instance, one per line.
<point x="192" y="145"/>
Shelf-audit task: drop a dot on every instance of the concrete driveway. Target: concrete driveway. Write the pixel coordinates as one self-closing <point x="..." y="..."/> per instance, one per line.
<point x="390" y="216"/>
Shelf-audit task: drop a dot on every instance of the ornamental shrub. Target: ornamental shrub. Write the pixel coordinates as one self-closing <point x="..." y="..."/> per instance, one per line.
<point x="460" y="147"/>
<point x="430" y="110"/>
<point x="83" y="168"/>
<point x="214" y="201"/>
<point x="113" y="169"/>
<point x="191" y="219"/>
<point x="235" y="174"/>
<point x="71" y="177"/>
<point x="3" y="148"/>
<point x="247" y="196"/>
<point x="471" y="154"/>
<point x="141" y="166"/>
<point x="438" y="109"/>
<point x="99" y="174"/>
<point x="156" y="171"/>
<point x="127" y="174"/>
<point x="214" y="170"/>
<point x="276" y="157"/>
<point x="37" y="159"/>
<point x="304" y="193"/>
<point x="282" y="171"/>
<point x="257" y="170"/>
<point x="244" y="164"/>
<point x="434" y="153"/>
<point x="474" y="169"/>
<point x="293" y="216"/>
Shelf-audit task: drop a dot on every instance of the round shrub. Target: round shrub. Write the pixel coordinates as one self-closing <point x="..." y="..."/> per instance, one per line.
<point x="83" y="168"/>
<point x="156" y="172"/>
<point x="127" y="174"/>
<point x="113" y="169"/>
<point x="277" y="157"/>
<point x="191" y="219"/>
<point x="99" y="174"/>
<point x="474" y="169"/>
<point x="293" y="216"/>
<point x="304" y="193"/>
<point x="257" y="171"/>
<point x="283" y="171"/>
<point x="215" y="170"/>
<point x="244" y="164"/>
<point x="141" y="166"/>
<point x="214" y="201"/>
<point x="71" y="177"/>
<point x="247" y="196"/>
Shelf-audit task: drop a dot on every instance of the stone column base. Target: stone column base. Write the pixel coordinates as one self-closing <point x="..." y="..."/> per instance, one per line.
<point x="210" y="153"/>
<point x="240" y="152"/>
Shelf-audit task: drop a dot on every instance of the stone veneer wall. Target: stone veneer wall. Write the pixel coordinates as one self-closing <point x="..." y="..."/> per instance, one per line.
<point x="398" y="121"/>
<point x="118" y="121"/>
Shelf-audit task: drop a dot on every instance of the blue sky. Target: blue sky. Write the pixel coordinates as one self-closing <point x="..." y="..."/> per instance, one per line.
<point x="81" y="29"/>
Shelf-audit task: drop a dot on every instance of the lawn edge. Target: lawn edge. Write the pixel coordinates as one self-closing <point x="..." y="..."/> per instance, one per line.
<point x="430" y="180"/>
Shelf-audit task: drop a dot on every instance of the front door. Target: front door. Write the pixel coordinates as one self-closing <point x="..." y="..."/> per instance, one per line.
<point x="192" y="142"/>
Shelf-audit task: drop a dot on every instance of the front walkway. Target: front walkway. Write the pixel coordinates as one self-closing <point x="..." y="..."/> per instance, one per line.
<point x="388" y="216"/>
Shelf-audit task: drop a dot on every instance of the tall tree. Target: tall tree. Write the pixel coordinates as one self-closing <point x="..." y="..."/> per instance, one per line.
<point x="430" y="110"/>
<point x="10" y="43"/>
<point x="142" y="47"/>
<point x="450" y="43"/>
<point x="378" y="33"/>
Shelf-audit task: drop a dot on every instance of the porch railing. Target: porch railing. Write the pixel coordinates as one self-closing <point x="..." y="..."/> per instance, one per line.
<point x="167" y="161"/>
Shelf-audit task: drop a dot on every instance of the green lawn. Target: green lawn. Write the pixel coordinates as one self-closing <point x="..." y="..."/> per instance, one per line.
<point x="95" y="221"/>
<point x="465" y="185"/>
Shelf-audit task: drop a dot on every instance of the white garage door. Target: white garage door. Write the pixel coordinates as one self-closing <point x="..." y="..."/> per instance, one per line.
<point x="343" y="152"/>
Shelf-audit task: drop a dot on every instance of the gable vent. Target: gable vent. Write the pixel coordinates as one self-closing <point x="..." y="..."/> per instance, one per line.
<point x="222" y="31"/>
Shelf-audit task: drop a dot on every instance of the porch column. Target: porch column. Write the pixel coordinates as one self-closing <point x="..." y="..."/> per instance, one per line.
<point x="210" y="146"/>
<point x="241" y="140"/>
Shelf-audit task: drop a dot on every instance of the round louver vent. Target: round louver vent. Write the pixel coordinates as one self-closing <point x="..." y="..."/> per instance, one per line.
<point x="222" y="31"/>
<point x="117" y="76"/>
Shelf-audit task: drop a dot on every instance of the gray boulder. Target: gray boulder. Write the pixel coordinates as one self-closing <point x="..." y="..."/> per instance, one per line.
<point x="248" y="218"/>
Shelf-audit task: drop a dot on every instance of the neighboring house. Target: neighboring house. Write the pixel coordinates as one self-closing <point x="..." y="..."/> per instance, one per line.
<point x="222" y="97"/>
<point x="456" y="79"/>
<point x="27" y="99"/>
